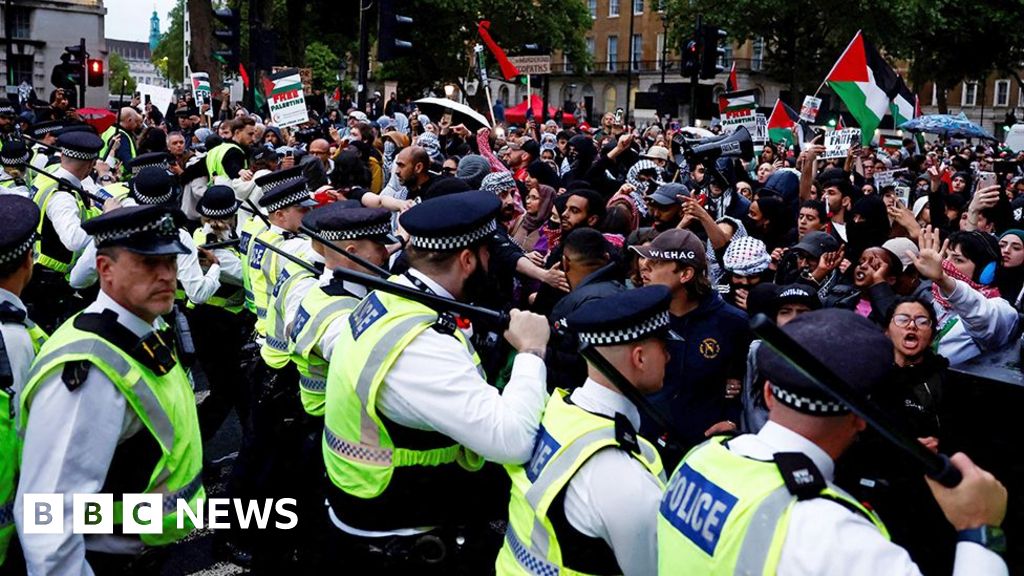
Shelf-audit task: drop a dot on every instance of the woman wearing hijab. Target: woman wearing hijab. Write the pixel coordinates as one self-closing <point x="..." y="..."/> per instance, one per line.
<point x="527" y="231"/>
<point x="1010" y="276"/>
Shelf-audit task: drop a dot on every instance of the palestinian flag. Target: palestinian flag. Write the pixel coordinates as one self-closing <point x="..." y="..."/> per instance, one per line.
<point x="863" y="80"/>
<point x="732" y="84"/>
<point x="781" y="122"/>
<point x="904" y="104"/>
<point x="731" y="102"/>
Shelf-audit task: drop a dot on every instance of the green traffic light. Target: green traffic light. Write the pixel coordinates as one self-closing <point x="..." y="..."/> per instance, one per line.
<point x="832" y="122"/>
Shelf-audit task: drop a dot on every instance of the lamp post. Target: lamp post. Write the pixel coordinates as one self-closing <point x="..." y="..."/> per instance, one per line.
<point x="449" y="91"/>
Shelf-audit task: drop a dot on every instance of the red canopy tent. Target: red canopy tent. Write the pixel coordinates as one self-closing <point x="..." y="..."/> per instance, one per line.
<point x="517" y="114"/>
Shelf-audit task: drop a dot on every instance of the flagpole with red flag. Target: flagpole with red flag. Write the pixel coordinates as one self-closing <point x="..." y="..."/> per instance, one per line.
<point x="848" y="46"/>
<point x="508" y="70"/>
<point x="734" y="85"/>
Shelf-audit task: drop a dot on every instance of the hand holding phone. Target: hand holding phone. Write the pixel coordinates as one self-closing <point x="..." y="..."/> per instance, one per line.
<point x="986" y="179"/>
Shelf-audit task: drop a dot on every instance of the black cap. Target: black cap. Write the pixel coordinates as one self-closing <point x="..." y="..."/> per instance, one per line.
<point x="157" y="159"/>
<point x="264" y="154"/>
<point x="531" y="147"/>
<point x="19" y="217"/>
<point x="852" y="346"/>
<point x="80" y="145"/>
<point x="452" y="222"/>
<point x="797" y="293"/>
<point x="218" y="202"/>
<point x="151" y="186"/>
<point x="817" y="243"/>
<point x="41" y="129"/>
<point x="350" y="221"/>
<point x="292" y="192"/>
<point x="147" y="230"/>
<point x="14" y="153"/>
<point x="628" y="316"/>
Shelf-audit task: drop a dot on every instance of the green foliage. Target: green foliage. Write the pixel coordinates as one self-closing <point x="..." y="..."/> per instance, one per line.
<point x="171" y="46"/>
<point x="324" y="64"/>
<point x="119" y="73"/>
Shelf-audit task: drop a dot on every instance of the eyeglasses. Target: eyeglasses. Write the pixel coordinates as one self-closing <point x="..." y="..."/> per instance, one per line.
<point x="903" y="321"/>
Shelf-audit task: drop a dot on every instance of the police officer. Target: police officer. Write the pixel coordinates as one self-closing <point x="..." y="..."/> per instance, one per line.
<point x="765" y="504"/>
<point x="587" y="500"/>
<point x="409" y="417"/>
<point x="61" y="235"/>
<point x="120" y="134"/>
<point x="20" y="338"/>
<point x="8" y="125"/>
<point x="108" y="408"/>
<point x="45" y="154"/>
<point x="153" y="186"/>
<point x="14" y="178"/>
<point x="324" y="310"/>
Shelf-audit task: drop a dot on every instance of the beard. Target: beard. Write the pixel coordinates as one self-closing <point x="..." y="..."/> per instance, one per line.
<point x="479" y="285"/>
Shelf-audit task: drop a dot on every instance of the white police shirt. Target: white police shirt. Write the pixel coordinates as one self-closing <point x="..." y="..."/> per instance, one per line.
<point x="18" y="344"/>
<point x="70" y="439"/>
<point x="62" y="210"/>
<point x="824" y="537"/>
<point x="613" y="496"/>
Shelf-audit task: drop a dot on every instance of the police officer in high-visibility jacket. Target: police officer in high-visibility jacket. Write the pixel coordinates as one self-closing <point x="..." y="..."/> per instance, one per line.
<point x="46" y="133"/>
<point x="587" y="501"/>
<point x="764" y="504"/>
<point x="15" y="178"/>
<point x="20" y="338"/>
<point x="108" y="408"/>
<point x="409" y="419"/>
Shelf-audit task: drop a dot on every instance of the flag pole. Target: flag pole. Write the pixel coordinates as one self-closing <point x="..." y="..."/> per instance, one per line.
<point x="482" y="71"/>
<point x="838" y="60"/>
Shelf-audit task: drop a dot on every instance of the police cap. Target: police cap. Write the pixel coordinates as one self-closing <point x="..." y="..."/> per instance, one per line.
<point x="452" y="222"/>
<point x="18" y="219"/>
<point x="628" y="316"/>
<point x="79" y="145"/>
<point x="147" y="230"/>
<point x="350" y="221"/>
<point x="152" y="185"/>
<point x="158" y="159"/>
<point x="218" y="202"/>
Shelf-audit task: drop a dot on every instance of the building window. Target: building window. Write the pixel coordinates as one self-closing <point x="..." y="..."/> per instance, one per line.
<point x="610" y="98"/>
<point x="21" y="65"/>
<point x="660" y="49"/>
<point x="636" y="52"/>
<point x="725" y="60"/>
<point x="1001" y="97"/>
<point x="566" y="64"/>
<point x="613" y="53"/>
<point x="638" y="7"/>
<point x="1020" y="97"/>
<point x="593" y="9"/>
<point x="969" y="94"/>
<point x="20" y="17"/>
<point x="613" y="8"/>
<point x="591" y="50"/>
<point x="757" y="54"/>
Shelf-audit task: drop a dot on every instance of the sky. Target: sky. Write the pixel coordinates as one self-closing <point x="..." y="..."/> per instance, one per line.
<point x="129" y="19"/>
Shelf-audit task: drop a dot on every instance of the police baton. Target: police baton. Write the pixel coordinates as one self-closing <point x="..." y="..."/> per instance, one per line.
<point x="937" y="466"/>
<point x="67" y="184"/>
<point x="221" y="244"/>
<point x="40" y="143"/>
<point x="290" y="257"/>
<point x="434" y="301"/>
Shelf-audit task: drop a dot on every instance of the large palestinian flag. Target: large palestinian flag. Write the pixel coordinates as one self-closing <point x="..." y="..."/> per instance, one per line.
<point x="781" y="122"/>
<point x="864" y="81"/>
<point x="904" y="104"/>
<point x="737" y="101"/>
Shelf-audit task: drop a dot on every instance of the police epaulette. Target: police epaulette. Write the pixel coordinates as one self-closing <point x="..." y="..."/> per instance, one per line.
<point x="75" y="373"/>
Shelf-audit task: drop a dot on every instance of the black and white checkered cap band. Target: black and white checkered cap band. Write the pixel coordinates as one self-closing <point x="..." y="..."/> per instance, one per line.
<point x="23" y="159"/>
<point x="632" y="334"/>
<point x="382" y="229"/>
<point x="269" y="189"/>
<point x="78" y="154"/>
<point x="212" y="213"/>
<point x="152" y="200"/>
<point x="7" y="109"/>
<point x="44" y="130"/>
<point x="121" y="234"/>
<point x="293" y="198"/>
<point x="808" y="405"/>
<point x="18" y="251"/>
<point x="138" y="168"/>
<point x="454" y="242"/>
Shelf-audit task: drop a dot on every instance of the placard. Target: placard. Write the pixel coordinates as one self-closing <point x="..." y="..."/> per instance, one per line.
<point x="809" y="110"/>
<point x="760" y="133"/>
<point x="887" y="177"/>
<point x="732" y="120"/>
<point x="532" y="64"/>
<point x="201" y="88"/>
<point x="159" y="96"/>
<point x="286" y="98"/>
<point x="838" y="142"/>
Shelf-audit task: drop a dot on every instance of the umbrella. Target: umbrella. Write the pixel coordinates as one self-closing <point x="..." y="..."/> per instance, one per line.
<point x="946" y="125"/>
<point x="434" y="108"/>
<point x="99" y="118"/>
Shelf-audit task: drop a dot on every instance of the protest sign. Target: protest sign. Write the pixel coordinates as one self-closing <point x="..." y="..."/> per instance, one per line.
<point x="286" y="99"/>
<point x="809" y="110"/>
<point x="760" y="129"/>
<point x="732" y="120"/>
<point x="201" y="88"/>
<point x="838" y="142"/>
<point x="887" y="177"/>
<point x="159" y="96"/>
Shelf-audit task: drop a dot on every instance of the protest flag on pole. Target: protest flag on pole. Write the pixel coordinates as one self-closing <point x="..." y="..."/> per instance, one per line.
<point x="733" y="84"/>
<point x="508" y="70"/>
<point x="781" y="122"/>
<point x="863" y="80"/>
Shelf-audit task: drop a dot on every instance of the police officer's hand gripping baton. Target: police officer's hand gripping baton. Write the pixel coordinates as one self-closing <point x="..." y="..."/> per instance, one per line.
<point x="937" y="466"/>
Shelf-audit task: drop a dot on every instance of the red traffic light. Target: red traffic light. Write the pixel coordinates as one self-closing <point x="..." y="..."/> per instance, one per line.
<point x="94" y="68"/>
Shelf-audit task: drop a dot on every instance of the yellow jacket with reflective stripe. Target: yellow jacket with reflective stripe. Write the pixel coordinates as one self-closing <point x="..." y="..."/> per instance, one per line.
<point x="568" y="437"/>
<point x="264" y="267"/>
<point x="276" y="349"/>
<point x="359" y="454"/>
<point x="215" y="159"/>
<point x="61" y="259"/>
<point x="163" y="403"/>
<point x="316" y="313"/>
<point x="706" y="521"/>
<point x="252" y="227"/>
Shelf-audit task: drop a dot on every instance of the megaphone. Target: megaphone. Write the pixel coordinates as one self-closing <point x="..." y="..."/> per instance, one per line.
<point x="735" y="145"/>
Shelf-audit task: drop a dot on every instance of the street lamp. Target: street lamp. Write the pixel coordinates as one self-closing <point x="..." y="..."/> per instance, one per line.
<point x="449" y="90"/>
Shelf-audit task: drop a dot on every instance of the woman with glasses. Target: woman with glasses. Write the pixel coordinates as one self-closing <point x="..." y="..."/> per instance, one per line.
<point x="876" y="472"/>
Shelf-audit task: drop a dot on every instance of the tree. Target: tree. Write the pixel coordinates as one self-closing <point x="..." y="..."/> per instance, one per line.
<point x="119" y="73"/>
<point x="171" y="45"/>
<point x="324" y="64"/>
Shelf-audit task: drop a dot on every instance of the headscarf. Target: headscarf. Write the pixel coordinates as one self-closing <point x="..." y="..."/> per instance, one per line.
<point x="952" y="272"/>
<point x="1011" y="280"/>
<point x="532" y="222"/>
<point x="714" y="267"/>
<point x="430" y="143"/>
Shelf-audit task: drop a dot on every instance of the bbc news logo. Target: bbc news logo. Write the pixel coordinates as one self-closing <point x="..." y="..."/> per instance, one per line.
<point x="143" y="513"/>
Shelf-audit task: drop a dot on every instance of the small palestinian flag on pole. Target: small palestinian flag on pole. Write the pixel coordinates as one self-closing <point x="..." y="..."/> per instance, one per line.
<point x="731" y="102"/>
<point x="781" y="122"/>
<point x="863" y="80"/>
<point x="732" y="85"/>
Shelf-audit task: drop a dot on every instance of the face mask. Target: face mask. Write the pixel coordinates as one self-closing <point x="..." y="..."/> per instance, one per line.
<point x="389" y="148"/>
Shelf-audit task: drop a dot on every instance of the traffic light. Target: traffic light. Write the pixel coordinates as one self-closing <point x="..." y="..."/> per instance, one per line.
<point x="690" y="59"/>
<point x="712" y="51"/>
<point x="94" y="71"/>
<point x="392" y="34"/>
<point x="230" y="35"/>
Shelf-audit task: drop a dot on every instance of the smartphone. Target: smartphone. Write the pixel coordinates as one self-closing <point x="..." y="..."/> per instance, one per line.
<point x="903" y="194"/>
<point x="289" y="153"/>
<point x="986" y="179"/>
<point x="618" y="115"/>
<point x="148" y="101"/>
